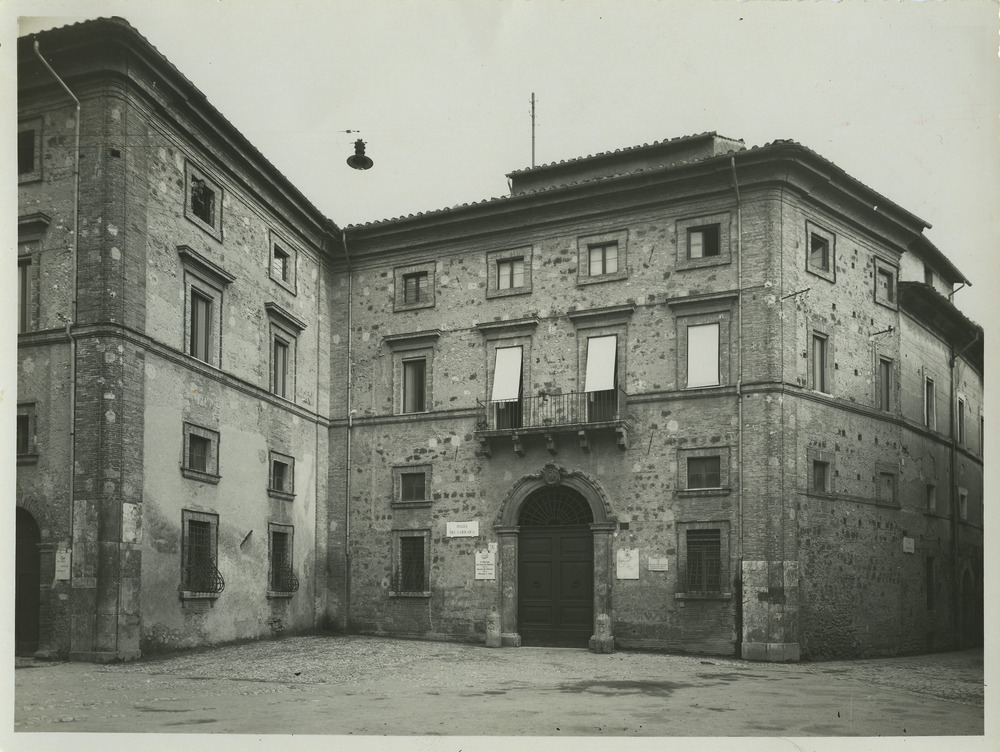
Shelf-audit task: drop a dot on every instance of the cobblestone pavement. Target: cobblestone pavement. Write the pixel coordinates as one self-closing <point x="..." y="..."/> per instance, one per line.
<point x="374" y="686"/>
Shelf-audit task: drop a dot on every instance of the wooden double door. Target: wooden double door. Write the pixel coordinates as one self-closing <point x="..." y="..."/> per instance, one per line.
<point x="555" y="585"/>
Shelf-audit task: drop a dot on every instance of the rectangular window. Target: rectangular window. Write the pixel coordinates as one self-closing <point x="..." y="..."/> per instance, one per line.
<point x="601" y="378"/>
<point x="885" y="384"/>
<point x="23" y="434"/>
<point x="603" y="259"/>
<point x="963" y="504"/>
<point x="887" y="487"/>
<point x="414" y="385"/>
<point x="931" y="498"/>
<point x="199" y="450"/>
<point x="819" y="252"/>
<point x="201" y="454"/>
<point x="281" y="476"/>
<point x="24" y="294"/>
<point x="279" y="383"/>
<point x="703" y="242"/>
<point x="821" y="476"/>
<point x="704" y="561"/>
<point x="200" y="572"/>
<point x="411" y="562"/>
<point x="928" y="276"/>
<point x="930" y="413"/>
<point x="412" y="487"/>
<point x="704" y="472"/>
<point x="703" y="355"/>
<point x="281" y="574"/>
<point x="929" y="583"/>
<point x="510" y="274"/>
<point x="201" y="326"/>
<point x="886" y="291"/>
<point x="203" y="201"/>
<point x="506" y="395"/>
<point x="25" y="152"/>
<point x="280" y="262"/>
<point x="960" y="426"/>
<point x="415" y="287"/>
<point x="819" y="356"/>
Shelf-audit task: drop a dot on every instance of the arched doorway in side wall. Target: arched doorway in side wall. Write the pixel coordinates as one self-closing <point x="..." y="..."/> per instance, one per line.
<point x="27" y="580"/>
<point x="555" y="568"/>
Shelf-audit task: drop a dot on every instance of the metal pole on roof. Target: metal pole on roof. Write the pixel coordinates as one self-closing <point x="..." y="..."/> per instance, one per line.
<point x="532" y="129"/>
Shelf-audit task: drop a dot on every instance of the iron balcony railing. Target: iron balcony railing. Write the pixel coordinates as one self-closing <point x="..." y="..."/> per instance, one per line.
<point x="552" y="410"/>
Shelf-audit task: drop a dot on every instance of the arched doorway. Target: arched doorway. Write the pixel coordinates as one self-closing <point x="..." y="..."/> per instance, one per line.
<point x="555" y="568"/>
<point x="27" y="573"/>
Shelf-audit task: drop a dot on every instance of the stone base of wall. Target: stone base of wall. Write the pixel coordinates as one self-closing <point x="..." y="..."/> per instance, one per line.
<point x="773" y="652"/>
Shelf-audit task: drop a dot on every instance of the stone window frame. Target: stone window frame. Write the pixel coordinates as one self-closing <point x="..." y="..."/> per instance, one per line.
<point x="883" y="267"/>
<point x="193" y="173"/>
<point x="35" y="173"/>
<point x="881" y="357"/>
<point x="206" y="278"/>
<point x="813" y="229"/>
<point x="399" y="292"/>
<point x="830" y="366"/>
<point x="205" y="476"/>
<point x="704" y="309"/>
<point x="682" y="233"/>
<point x="814" y="455"/>
<point x="31" y="229"/>
<point x="500" y="334"/>
<point x="602" y="322"/>
<point x="585" y="242"/>
<point x="28" y="411"/>
<point x="277" y="244"/>
<point x="725" y="543"/>
<point x="723" y="452"/>
<point x="398" y="471"/>
<point x="412" y="346"/>
<point x="927" y="375"/>
<point x="288" y="492"/>
<point x="284" y="327"/>
<point x="293" y="583"/>
<point x="187" y="516"/>
<point x="883" y="469"/>
<point x="493" y="257"/>
<point x="397" y="536"/>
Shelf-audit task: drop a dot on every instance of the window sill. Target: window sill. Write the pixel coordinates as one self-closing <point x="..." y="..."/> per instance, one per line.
<point x="601" y="278"/>
<point x="399" y="307"/>
<point x="890" y="304"/>
<point x="703" y="596"/>
<point x="821" y="494"/>
<point x="697" y="492"/>
<point x="27" y="459"/>
<point x="828" y="274"/>
<point x="709" y="261"/>
<point x="286" y="594"/>
<point x="424" y="594"/>
<point x="421" y="504"/>
<point x="194" y="595"/>
<point x="201" y="476"/>
<point x="525" y="290"/>
<point x="274" y="493"/>
<point x="288" y="286"/>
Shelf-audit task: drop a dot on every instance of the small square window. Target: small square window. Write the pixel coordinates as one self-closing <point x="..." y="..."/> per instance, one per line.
<point x="820" y="252"/>
<point x="282" y="262"/>
<point x="414" y="286"/>
<point x="414" y="385"/>
<point x="29" y="150"/>
<point x="411" y="563"/>
<point x="510" y="274"/>
<point x="704" y="561"/>
<point x="704" y="472"/>
<point x="199" y="554"/>
<point x="201" y="454"/>
<point x="411" y="487"/>
<point x="203" y="201"/>
<point x="703" y="242"/>
<point x="281" y="573"/>
<point x="281" y="478"/>
<point x="602" y="257"/>
<point x="886" y="291"/>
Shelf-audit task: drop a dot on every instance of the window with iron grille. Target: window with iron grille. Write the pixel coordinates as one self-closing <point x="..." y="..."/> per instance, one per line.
<point x="200" y="572"/>
<point x="203" y="202"/>
<point x="411" y="562"/>
<point x="281" y="573"/>
<point x="704" y="550"/>
<point x="704" y="472"/>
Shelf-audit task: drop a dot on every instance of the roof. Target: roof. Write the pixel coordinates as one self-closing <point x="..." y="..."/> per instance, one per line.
<point x="927" y="305"/>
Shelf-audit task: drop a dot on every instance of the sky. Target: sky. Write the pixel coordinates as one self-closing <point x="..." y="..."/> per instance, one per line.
<point x="902" y="95"/>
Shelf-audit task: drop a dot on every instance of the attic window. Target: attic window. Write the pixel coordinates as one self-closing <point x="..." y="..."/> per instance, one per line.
<point x="203" y="201"/>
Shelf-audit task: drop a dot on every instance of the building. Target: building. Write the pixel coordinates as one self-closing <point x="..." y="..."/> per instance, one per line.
<point x="686" y="396"/>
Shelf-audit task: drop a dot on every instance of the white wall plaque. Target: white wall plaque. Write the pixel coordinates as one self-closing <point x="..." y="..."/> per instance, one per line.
<point x="628" y="564"/>
<point x="657" y="565"/>
<point x="486" y="565"/>
<point x="62" y="564"/>
<point x="907" y="545"/>
<point x="462" y="529"/>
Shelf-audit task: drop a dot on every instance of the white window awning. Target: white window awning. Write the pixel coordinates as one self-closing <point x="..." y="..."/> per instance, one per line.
<point x="507" y="374"/>
<point x="703" y="355"/>
<point x="602" y="361"/>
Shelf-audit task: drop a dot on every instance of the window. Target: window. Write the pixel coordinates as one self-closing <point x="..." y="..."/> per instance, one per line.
<point x="601" y="345"/>
<point x="819" y="363"/>
<point x="931" y="496"/>
<point x="601" y="378"/>
<point x="886" y="490"/>
<point x="821" y="476"/>
<point x="281" y="577"/>
<point x="885" y="384"/>
<point x="281" y="477"/>
<point x="602" y="257"/>
<point x="284" y="330"/>
<point x="414" y="286"/>
<point x="282" y="263"/>
<point x="27" y="449"/>
<point x="201" y="325"/>
<point x="29" y="150"/>
<point x="820" y="252"/>
<point x="885" y="284"/>
<point x="703" y="242"/>
<point x="411" y="563"/>
<point x="508" y="272"/>
<point x="203" y="201"/>
<point x="414" y="385"/>
<point x="960" y="426"/>
<point x="201" y="454"/>
<point x="982" y="435"/>
<point x="24" y="278"/>
<point x="199" y="554"/>
<point x="930" y="411"/>
<point x="204" y="283"/>
<point x="928" y="276"/>
<point x="929" y="582"/>
<point x="506" y="394"/>
<point x="703" y="355"/>
<point x="411" y="486"/>
<point x="704" y="549"/>
<point x="704" y="472"/>
<point x="963" y="504"/>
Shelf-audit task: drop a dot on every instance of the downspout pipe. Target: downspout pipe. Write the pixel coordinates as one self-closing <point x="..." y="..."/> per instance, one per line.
<point x="71" y="320"/>
<point x="739" y="376"/>
<point x="350" y="427"/>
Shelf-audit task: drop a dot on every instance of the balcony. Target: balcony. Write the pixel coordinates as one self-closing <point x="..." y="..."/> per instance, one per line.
<point x="551" y="415"/>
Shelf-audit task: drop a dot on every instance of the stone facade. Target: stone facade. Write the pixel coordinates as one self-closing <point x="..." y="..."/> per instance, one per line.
<point x="673" y="397"/>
